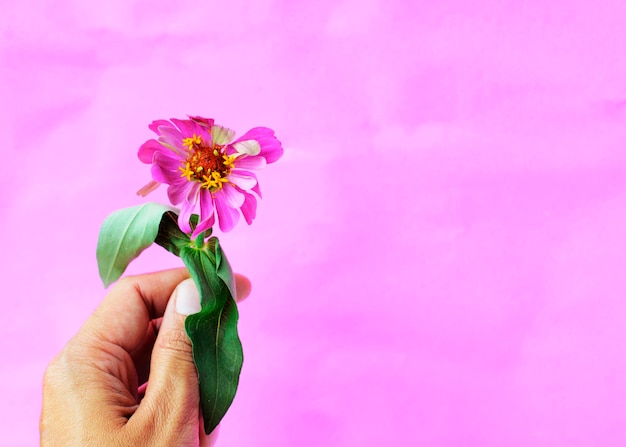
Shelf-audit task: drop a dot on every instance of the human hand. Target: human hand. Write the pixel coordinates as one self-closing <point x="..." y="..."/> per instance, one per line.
<point x="94" y="391"/>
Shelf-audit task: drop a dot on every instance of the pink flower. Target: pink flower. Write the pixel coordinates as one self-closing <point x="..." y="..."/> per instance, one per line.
<point x="203" y="165"/>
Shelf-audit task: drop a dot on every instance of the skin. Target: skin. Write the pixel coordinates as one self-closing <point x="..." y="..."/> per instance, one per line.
<point x="94" y="390"/>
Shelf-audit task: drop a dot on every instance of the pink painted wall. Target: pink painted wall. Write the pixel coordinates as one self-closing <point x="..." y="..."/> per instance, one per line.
<point x="439" y="257"/>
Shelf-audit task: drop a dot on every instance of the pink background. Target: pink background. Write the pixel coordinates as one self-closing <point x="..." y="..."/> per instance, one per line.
<point x="439" y="257"/>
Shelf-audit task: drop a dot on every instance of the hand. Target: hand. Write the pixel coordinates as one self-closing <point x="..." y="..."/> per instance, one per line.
<point x="95" y="391"/>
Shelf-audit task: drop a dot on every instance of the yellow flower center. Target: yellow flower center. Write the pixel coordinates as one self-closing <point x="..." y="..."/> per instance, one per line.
<point x="206" y="164"/>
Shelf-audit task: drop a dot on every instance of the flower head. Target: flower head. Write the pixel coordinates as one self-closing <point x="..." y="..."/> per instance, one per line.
<point x="204" y="166"/>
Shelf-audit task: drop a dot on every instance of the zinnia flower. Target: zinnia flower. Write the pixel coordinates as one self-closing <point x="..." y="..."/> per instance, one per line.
<point x="203" y="165"/>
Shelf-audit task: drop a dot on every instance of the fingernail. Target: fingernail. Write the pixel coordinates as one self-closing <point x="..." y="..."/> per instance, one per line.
<point x="187" y="298"/>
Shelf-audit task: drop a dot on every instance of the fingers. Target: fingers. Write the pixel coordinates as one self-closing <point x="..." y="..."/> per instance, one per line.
<point x="122" y="319"/>
<point x="172" y="399"/>
<point x="208" y="440"/>
<point x="243" y="286"/>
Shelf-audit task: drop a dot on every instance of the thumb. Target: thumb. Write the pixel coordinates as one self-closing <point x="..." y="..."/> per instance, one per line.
<point x="172" y="398"/>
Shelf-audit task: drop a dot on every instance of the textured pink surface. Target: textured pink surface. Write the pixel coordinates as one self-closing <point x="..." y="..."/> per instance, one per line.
<point x="439" y="257"/>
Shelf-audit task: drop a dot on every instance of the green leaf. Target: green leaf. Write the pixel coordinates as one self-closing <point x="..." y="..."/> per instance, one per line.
<point x="171" y="237"/>
<point x="217" y="350"/>
<point x="124" y="235"/>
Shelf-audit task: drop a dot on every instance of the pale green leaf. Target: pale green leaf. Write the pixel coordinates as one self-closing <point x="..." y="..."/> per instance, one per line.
<point x="124" y="235"/>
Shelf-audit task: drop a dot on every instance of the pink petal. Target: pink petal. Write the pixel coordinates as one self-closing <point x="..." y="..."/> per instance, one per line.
<point x="204" y="122"/>
<point x="232" y="195"/>
<point x="203" y="226"/>
<point x="163" y="175"/>
<point x="256" y="162"/>
<point x="170" y="136"/>
<point x="207" y="215"/>
<point x="256" y="133"/>
<point x="167" y="158"/>
<point x="187" y="207"/>
<point x="204" y="133"/>
<point x="189" y="128"/>
<point x="166" y="169"/>
<point x="249" y="208"/>
<point x="271" y="149"/>
<point x="147" y="150"/>
<point x="206" y="204"/>
<point x="186" y="127"/>
<point x="257" y="190"/>
<point x="243" y="179"/>
<point x="227" y="216"/>
<point x="154" y="127"/>
<point x="177" y="191"/>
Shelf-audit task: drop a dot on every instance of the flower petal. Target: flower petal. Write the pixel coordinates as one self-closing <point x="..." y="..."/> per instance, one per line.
<point x="165" y="169"/>
<point x="177" y="191"/>
<point x="207" y="214"/>
<point x="167" y="158"/>
<point x="204" y="122"/>
<point x="248" y="208"/>
<point x="227" y="216"/>
<point x="148" y="149"/>
<point x="248" y="147"/>
<point x="154" y="127"/>
<point x="206" y="204"/>
<point x="243" y="179"/>
<point x="163" y="175"/>
<point x="221" y="135"/>
<point x="257" y="162"/>
<point x="186" y="127"/>
<point x="203" y="226"/>
<point x="257" y="189"/>
<point x="186" y="210"/>
<point x="232" y="195"/>
<point x="171" y="137"/>
<point x="271" y="149"/>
